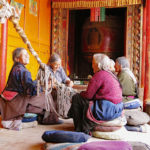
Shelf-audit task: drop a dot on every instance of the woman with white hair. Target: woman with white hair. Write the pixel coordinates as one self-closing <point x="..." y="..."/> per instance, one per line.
<point x="126" y="78"/>
<point x="20" y="94"/>
<point x="58" y="71"/>
<point x="103" y="97"/>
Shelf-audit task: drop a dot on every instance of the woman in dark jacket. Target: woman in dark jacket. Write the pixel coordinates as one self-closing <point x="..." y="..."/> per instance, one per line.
<point x="20" y="93"/>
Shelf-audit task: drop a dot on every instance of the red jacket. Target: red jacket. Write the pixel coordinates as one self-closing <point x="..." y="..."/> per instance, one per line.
<point x="104" y="86"/>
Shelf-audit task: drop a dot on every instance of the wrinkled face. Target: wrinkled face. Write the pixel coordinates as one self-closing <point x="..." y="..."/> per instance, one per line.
<point x="117" y="67"/>
<point x="55" y="65"/>
<point x="24" y="57"/>
<point x="94" y="66"/>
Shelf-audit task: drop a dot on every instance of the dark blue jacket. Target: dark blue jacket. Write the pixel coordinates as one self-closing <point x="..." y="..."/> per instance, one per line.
<point x="20" y="80"/>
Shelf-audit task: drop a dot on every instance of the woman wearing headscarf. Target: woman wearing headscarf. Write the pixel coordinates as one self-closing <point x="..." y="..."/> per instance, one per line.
<point x="102" y="101"/>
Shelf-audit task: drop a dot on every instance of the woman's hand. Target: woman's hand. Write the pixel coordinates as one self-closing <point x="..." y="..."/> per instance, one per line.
<point x="69" y="83"/>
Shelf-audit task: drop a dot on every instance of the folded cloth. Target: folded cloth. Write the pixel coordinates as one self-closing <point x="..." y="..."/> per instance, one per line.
<point x="29" y="124"/>
<point x="9" y="95"/>
<point x="12" y="124"/>
<point x="106" y="110"/>
<point x="132" y="104"/>
<point x="106" y="129"/>
<point x="106" y="145"/>
<point x="59" y="136"/>
<point x="62" y="146"/>
<point x="140" y="128"/>
<point x="120" y="121"/>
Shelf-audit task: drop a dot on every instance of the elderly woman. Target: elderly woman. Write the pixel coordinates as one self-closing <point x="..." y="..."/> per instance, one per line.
<point x="103" y="97"/>
<point x="128" y="83"/>
<point x="57" y="70"/>
<point x="19" y="95"/>
<point x="126" y="78"/>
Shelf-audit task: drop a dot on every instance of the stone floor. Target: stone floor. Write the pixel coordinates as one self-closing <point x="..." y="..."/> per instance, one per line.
<point x="30" y="138"/>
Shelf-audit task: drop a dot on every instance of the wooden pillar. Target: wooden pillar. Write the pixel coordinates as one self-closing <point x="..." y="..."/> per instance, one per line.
<point x="147" y="56"/>
<point x="3" y="56"/>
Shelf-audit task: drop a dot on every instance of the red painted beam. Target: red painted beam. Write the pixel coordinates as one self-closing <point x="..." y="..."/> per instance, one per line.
<point x="147" y="55"/>
<point x="3" y="56"/>
<point x="143" y="48"/>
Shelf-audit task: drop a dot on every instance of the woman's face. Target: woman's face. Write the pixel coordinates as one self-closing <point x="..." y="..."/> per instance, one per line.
<point x="94" y="66"/>
<point x="55" y="65"/>
<point x="24" y="57"/>
<point x="117" y="67"/>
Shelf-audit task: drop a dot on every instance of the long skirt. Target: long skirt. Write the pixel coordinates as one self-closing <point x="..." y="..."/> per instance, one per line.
<point x="78" y="112"/>
<point x="20" y="105"/>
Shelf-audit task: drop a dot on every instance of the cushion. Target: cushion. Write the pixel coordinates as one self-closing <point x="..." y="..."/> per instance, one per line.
<point x="120" y="121"/>
<point x="29" y="124"/>
<point x="60" y="136"/>
<point x="132" y="104"/>
<point x="140" y="128"/>
<point x="106" y="145"/>
<point x="60" y="146"/>
<point x="136" y="117"/>
<point x="29" y="117"/>
<point x="115" y="135"/>
<point x="139" y="145"/>
<point x="106" y="129"/>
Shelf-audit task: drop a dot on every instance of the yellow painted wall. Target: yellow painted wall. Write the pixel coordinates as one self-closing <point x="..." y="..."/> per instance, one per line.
<point x="37" y="29"/>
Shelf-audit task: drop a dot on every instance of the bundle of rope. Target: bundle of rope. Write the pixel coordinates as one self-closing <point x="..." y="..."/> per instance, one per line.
<point x="44" y="75"/>
<point x="64" y="93"/>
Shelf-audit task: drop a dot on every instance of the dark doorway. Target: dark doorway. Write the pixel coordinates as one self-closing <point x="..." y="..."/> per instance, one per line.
<point x="86" y="38"/>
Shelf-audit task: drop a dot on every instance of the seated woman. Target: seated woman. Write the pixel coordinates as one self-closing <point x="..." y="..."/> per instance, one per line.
<point x="61" y="96"/>
<point x="19" y="95"/>
<point x="127" y="79"/>
<point x="103" y="97"/>
<point x="57" y="70"/>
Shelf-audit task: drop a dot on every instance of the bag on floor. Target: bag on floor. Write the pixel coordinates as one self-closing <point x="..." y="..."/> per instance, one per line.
<point x="48" y="118"/>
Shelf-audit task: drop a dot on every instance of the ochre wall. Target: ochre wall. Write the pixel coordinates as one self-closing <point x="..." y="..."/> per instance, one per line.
<point x="37" y="29"/>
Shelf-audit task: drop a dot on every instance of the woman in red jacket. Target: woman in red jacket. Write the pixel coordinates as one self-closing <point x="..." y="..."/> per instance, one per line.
<point x="104" y="94"/>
